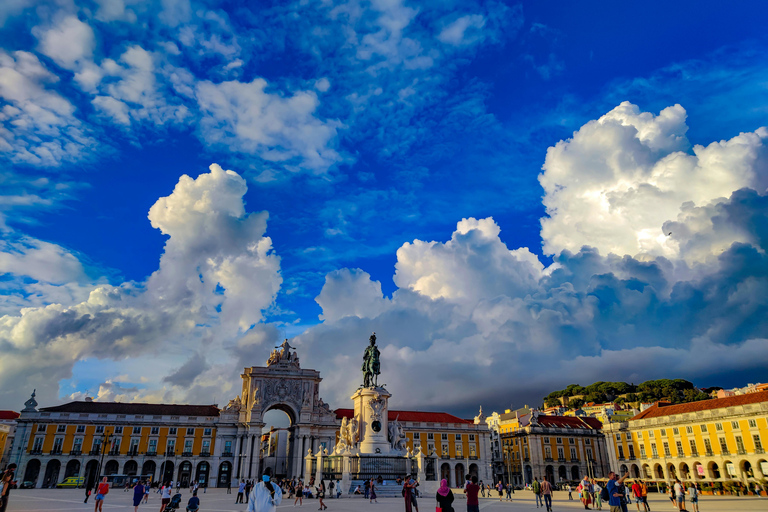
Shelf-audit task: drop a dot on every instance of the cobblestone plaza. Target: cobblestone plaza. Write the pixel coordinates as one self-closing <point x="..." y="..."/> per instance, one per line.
<point x="216" y="500"/>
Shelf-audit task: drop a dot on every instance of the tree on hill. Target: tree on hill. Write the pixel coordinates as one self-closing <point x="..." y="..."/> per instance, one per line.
<point x="674" y="390"/>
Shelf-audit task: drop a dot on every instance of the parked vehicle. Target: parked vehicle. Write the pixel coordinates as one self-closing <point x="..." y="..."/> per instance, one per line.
<point x="72" y="481"/>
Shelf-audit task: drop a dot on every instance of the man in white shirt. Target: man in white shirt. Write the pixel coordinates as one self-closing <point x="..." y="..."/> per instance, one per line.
<point x="265" y="496"/>
<point x="680" y="495"/>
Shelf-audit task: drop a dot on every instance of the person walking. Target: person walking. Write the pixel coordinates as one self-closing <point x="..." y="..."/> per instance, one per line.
<point x="240" y="492"/>
<point x="101" y="492"/>
<point x="165" y="497"/>
<point x="372" y="493"/>
<point x="7" y="481"/>
<point x="509" y="492"/>
<point x="637" y="493"/>
<point x="331" y="485"/>
<point x="299" y="494"/>
<point x="679" y="495"/>
<point x="585" y="492"/>
<point x="536" y="487"/>
<point x="473" y="505"/>
<point x="367" y="487"/>
<point x="693" y="492"/>
<point x="266" y="496"/>
<point x="248" y="487"/>
<point x="597" y="494"/>
<point x="568" y="488"/>
<point x="321" y="495"/>
<point x="413" y="484"/>
<point x="338" y="489"/>
<point x="444" y="497"/>
<point x="644" y="494"/>
<point x="546" y="492"/>
<point x="146" y="492"/>
<point x="138" y="495"/>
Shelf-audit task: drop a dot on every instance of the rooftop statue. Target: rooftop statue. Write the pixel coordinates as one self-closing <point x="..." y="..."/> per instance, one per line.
<point x="371" y="364"/>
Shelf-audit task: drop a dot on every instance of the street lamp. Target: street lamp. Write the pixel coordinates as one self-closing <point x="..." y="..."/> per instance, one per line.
<point x="103" y="449"/>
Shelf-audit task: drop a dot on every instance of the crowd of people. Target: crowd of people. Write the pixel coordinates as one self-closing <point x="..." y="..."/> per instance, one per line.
<point x="617" y="494"/>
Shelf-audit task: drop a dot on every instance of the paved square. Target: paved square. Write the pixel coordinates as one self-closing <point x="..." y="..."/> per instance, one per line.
<point x="217" y="500"/>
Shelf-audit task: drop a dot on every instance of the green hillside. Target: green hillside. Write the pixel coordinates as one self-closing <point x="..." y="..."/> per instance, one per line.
<point x="677" y="391"/>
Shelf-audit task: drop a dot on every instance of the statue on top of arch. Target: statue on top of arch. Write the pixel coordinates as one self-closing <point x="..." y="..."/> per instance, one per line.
<point x="282" y="355"/>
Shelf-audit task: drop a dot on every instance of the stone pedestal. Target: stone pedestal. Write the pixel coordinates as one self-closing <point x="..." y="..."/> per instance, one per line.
<point x="371" y="411"/>
<point x="346" y="480"/>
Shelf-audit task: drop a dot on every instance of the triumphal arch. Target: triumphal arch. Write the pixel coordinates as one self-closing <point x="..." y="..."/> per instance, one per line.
<point x="282" y="384"/>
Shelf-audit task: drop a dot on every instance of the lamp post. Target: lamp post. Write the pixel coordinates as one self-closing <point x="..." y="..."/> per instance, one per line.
<point x="103" y="449"/>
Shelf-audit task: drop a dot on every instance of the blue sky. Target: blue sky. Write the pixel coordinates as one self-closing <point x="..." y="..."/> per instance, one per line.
<point x="360" y="127"/>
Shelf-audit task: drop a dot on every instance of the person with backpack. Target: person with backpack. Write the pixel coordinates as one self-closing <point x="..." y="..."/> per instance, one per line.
<point x="613" y="492"/>
<point x="693" y="492"/>
<point x="265" y="496"/>
<point x="536" y="487"/>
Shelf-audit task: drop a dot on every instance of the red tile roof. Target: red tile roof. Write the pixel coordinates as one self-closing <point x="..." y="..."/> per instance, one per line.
<point x="660" y="409"/>
<point x="135" y="408"/>
<point x="9" y="415"/>
<point x="426" y="417"/>
<point x="570" y="422"/>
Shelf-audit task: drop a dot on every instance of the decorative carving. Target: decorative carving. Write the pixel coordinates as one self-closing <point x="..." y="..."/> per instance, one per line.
<point x="353" y="432"/>
<point x="347" y="436"/>
<point x="282" y="390"/>
<point x="282" y="356"/>
<point x="396" y="436"/>
<point x="377" y="405"/>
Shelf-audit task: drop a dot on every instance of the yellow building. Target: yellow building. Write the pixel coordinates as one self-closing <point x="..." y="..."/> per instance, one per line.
<point x="716" y="440"/>
<point x="184" y="443"/>
<point x="562" y="448"/>
<point x="5" y="430"/>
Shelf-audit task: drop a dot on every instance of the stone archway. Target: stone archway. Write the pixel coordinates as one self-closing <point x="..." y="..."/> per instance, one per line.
<point x="166" y="472"/>
<point x="131" y="468"/>
<point x="202" y="472"/>
<point x="445" y="472"/>
<point x="549" y="471"/>
<point x="634" y="470"/>
<point x="112" y="467"/>
<point x="575" y="473"/>
<point x="32" y="471"/>
<point x="52" y="470"/>
<point x="282" y="385"/>
<point x="148" y="469"/>
<point x="185" y="473"/>
<point x="225" y="474"/>
<point x="73" y="468"/>
<point x="91" y="473"/>
<point x="460" y="474"/>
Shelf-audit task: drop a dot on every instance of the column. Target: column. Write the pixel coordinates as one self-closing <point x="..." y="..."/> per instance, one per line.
<point x="250" y="455"/>
<point x="238" y="453"/>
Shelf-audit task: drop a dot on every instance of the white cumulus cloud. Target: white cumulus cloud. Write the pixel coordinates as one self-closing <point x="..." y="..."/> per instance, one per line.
<point x="615" y="183"/>
<point x="218" y="271"/>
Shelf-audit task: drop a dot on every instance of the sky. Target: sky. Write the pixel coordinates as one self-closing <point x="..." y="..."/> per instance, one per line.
<point x="514" y="196"/>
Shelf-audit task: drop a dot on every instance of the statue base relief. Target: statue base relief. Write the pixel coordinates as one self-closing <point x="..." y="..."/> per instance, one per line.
<point x="371" y="411"/>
